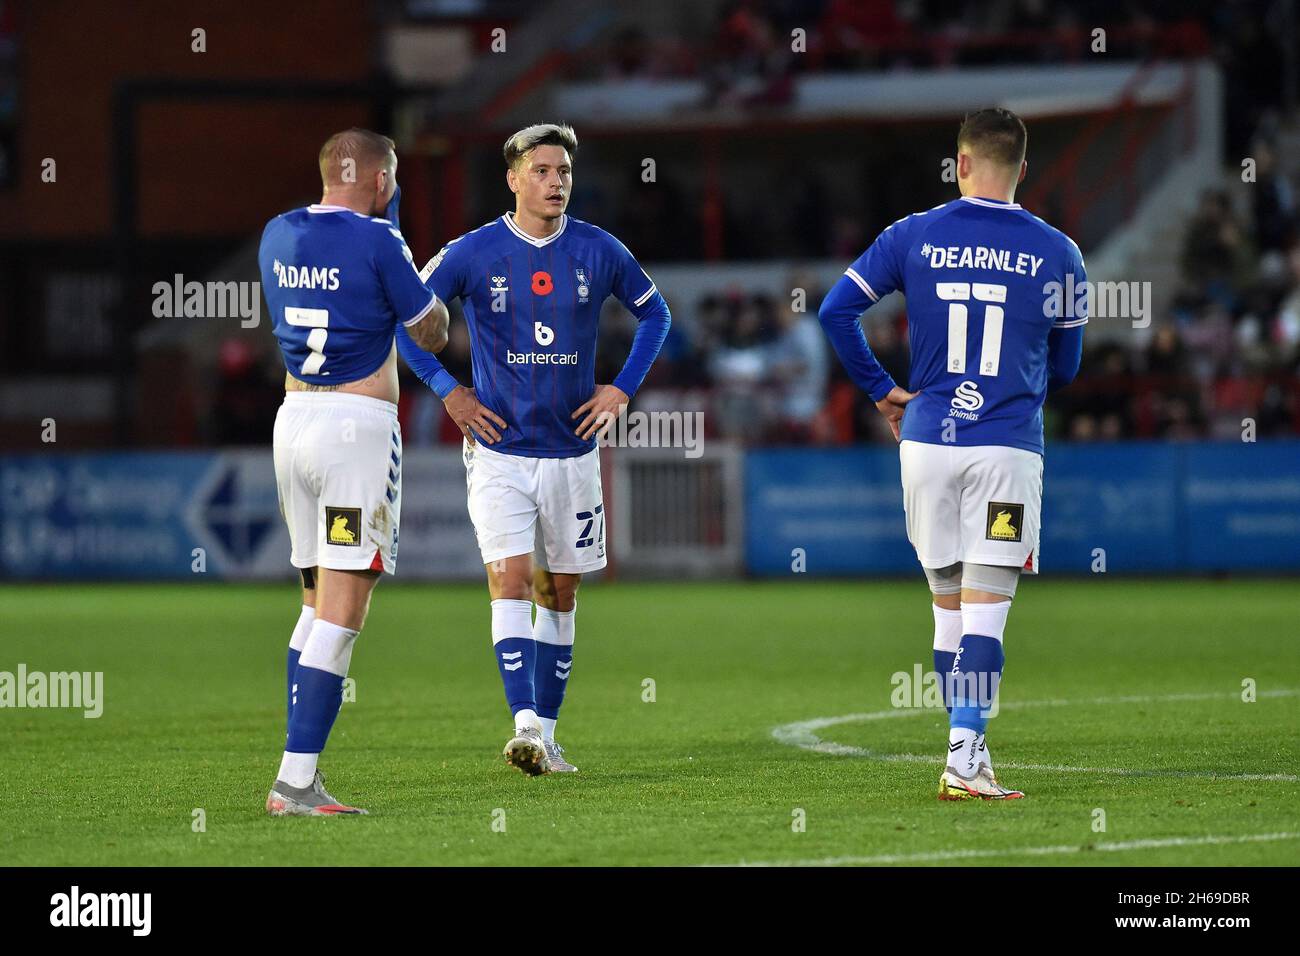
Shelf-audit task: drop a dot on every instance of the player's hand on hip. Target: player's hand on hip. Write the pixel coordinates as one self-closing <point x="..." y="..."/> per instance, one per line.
<point x="892" y="405"/>
<point x="599" y="411"/>
<point x="472" y="417"/>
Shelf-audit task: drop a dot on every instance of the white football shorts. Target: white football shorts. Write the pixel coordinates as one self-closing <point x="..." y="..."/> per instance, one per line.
<point x="548" y="507"/>
<point x="338" y="471"/>
<point x="979" y="503"/>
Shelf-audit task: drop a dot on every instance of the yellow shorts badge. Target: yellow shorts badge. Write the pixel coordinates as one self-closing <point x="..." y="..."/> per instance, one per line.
<point x="343" y="526"/>
<point x="1004" y="521"/>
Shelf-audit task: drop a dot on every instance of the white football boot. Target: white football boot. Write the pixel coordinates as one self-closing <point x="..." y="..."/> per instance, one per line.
<point x="986" y="768"/>
<point x="555" y="755"/>
<point x="982" y="786"/>
<point x="527" y="751"/>
<point x="310" y="801"/>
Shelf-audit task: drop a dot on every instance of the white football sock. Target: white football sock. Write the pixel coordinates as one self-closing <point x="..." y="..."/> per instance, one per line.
<point x="511" y="618"/>
<point x="982" y="754"/>
<point x="527" y="718"/>
<point x="298" y="770"/>
<point x="962" y="754"/>
<point x="988" y="620"/>
<point x="548" y="728"/>
<point x="554" y="627"/>
<point x="302" y="629"/>
<point x="329" y="648"/>
<point x="947" y="629"/>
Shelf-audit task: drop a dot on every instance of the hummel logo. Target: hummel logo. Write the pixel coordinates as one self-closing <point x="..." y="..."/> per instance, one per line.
<point x="512" y="656"/>
<point x="953" y="748"/>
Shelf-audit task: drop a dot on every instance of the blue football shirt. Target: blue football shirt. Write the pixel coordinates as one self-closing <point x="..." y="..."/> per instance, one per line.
<point x="337" y="284"/>
<point x="532" y="307"/>
<point x="986" y="282"/>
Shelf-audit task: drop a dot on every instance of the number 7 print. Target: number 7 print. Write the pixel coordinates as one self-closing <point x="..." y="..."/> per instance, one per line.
<point x="585" y="537"/>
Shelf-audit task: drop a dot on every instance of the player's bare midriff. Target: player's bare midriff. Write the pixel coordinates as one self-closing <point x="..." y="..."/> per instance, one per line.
<point x="381" y="384"/>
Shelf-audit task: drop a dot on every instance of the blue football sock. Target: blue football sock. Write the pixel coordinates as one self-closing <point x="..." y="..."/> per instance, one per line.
<point x="291" y="670"/>
<point x="297" y="641"/>
<point x="943" y="667"/>
<point x="976" y="672"/>
<point x="516" y="658"/>
<point x="553" y="631"/>
<point x="551" y="677"/>
<point x="515" y="651"/>
<point x="320" y="694"/>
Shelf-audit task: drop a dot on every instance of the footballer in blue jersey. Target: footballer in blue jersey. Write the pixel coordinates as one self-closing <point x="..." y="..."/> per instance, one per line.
<point x="338" y="283"/>
<point x="532" y="284"/>
<point x="339" y="280"/>
<point x="994" y="324"/>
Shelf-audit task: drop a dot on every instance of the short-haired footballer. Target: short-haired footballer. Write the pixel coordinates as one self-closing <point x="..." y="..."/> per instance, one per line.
<point x="532" y="284"/>
<point x="339" y="280"/>
<point x="994" y="325"/>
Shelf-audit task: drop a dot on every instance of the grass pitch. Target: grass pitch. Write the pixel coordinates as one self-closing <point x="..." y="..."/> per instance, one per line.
<point x="194" y="720"/>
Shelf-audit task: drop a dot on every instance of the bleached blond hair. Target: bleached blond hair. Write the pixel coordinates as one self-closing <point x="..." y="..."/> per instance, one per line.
<point x="520" y="144"/>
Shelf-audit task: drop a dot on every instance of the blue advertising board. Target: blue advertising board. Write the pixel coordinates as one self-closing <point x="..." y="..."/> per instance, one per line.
<point x="1117" y="503"/>
<point x="1139" y="507"/>
<point x="1243" y="506"/>
<point x="157" y="515"/>
<point x="832" y="511"/>
<point x="139" y="515"/>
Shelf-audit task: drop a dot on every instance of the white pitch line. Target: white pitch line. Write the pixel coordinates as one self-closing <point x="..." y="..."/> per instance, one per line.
<point x="938" y="856"/>
<point x="803" y="734"/>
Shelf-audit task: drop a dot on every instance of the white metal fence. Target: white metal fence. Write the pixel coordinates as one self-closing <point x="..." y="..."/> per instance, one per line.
<point x="676" y="516"/>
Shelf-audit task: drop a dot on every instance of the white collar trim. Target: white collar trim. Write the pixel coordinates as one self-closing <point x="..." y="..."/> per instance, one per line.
<point x="509" y="220"/>
<point x="990" y="203"/>
<point x="317" y="207"/>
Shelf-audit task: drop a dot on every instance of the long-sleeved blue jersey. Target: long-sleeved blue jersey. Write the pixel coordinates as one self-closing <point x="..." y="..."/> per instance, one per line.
<point x="532" y="307"/>
<point x="996" y="306"/>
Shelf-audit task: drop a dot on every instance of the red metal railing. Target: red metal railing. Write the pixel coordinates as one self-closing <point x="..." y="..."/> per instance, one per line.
<point x="1064" y="173"/>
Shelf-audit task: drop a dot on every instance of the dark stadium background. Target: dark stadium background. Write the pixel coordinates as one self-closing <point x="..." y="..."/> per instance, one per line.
<point x="169" y="161"/>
